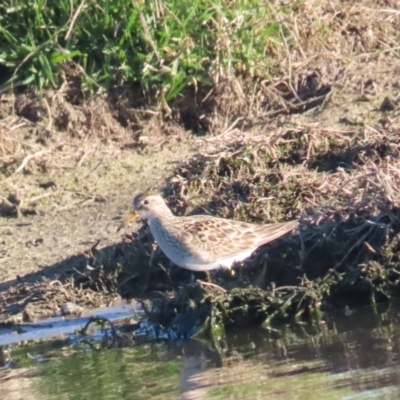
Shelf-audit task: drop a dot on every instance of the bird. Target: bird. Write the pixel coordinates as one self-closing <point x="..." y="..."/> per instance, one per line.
<point x="202" y="242"/>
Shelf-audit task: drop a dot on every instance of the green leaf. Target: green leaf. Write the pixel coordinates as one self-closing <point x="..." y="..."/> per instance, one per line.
<point x="57" y="58"/>
<point x="46" y="68"/>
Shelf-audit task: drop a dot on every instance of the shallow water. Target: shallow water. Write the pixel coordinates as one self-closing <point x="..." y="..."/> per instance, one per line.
<point x="56" y="326"/>
<point x="353" y="356"/>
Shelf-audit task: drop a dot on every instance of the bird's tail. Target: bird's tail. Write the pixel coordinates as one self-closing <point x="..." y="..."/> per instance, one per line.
<point x="270" y="232"/>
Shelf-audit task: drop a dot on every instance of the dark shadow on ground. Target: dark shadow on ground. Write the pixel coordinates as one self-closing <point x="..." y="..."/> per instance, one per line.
<point x="336" y="264"/>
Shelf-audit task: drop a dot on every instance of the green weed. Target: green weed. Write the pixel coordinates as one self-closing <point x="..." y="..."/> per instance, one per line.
<point x="164" y="45"/>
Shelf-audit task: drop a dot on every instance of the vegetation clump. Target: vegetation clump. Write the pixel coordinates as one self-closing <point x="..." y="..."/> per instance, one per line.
<point x="163" y="46"/>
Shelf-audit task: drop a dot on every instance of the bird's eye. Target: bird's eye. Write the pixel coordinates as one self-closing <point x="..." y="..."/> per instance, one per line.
<point x="146" y="202"/>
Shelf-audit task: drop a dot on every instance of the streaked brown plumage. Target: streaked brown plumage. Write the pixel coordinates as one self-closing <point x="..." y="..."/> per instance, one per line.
<point x="202" y="242"/>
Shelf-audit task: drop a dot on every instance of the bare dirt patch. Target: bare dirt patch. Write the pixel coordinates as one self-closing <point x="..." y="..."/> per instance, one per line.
<point x="62" y="191"/>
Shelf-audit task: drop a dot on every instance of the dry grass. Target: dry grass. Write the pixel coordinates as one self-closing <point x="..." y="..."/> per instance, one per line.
<point x="319" y="171"/>
<point x="323" y="44"/>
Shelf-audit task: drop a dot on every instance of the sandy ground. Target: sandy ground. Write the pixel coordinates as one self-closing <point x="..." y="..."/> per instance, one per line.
<point x="83" y="206"/>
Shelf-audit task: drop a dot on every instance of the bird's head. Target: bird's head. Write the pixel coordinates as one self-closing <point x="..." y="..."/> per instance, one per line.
<point x="147" y="205"/>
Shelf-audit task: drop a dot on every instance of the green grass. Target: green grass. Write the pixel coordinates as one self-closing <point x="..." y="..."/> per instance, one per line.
<point x="164" y="45"/>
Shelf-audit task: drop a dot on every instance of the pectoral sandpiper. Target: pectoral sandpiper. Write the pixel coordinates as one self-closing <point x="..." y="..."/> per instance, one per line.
<point x="202" y="242"/>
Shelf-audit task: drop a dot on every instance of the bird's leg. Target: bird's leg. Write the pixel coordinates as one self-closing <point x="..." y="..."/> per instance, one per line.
<point x="210" y="285"/>
<point x="154" y="249"/>
<point x="206" y="281"/>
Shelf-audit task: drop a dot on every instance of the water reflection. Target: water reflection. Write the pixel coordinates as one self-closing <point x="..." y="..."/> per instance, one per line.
<point x="349" y="357"/>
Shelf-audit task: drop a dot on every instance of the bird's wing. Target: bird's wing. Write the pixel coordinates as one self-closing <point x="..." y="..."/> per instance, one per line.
<point x="226" y="238"/>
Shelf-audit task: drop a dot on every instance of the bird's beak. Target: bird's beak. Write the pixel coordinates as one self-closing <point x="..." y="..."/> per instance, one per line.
<point x="132" y="216"/>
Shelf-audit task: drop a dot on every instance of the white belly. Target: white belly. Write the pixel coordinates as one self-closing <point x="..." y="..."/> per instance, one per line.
<point x="197" y="265"/>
